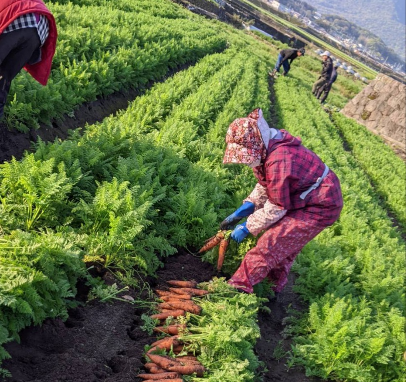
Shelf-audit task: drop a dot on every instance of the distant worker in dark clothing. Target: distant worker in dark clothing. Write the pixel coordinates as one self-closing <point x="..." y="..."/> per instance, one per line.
<point x="327" y="87"/>
<point x="27" y="40"/>
<point x="285" y="58"/>
<point x="325" y="72"/>
<point x="292" y="41"/>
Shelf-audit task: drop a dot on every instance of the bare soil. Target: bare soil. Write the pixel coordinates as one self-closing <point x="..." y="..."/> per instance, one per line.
<point x="104" y="342"/>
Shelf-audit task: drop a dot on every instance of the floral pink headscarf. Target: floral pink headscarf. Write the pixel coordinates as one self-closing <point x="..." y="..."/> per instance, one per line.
<point x="244" y="141"/>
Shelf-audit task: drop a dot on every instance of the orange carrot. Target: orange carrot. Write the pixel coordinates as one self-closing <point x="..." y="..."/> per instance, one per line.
<point x="173" y="300"/>
<point x="178" y="349"/>
<point x="189" y="362"/>
<point x="212" y="242"/>
<point x="167" y="342"/>
<point x="187" y="358"/>
<point x="222" y="252"/>
<point x="163" y="361"/>
<point x="153" y="368"/>
<point x="186" y="305"/>
<point x="162" y="292"/>
<point x="149" y="365"/>
<point x="171" y="313"/>
<point x="170" y="329"/>
<point x="183" y="284"/>
<point x="190" y="291"/>
<point x="156" y="370"/>
<point x="188" y="369"/>
<point x="175" y="296"/>
<point x="166" y="375"/>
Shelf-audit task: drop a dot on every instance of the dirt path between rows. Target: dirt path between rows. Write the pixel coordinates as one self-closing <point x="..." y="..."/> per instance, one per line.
<point x="104" y="342"/>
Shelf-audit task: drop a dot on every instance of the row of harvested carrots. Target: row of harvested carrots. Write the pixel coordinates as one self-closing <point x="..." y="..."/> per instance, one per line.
<point x="176" y="302"/>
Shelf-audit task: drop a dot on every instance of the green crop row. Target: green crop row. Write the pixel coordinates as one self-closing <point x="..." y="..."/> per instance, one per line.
<point x="351" y="274"/>
<point x="387" y="171"/>
<point x="104" y="49"/>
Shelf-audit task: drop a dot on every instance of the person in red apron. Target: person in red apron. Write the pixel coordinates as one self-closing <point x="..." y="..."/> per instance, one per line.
<point x="296" y="197"/>
<point x="27" y="40"/>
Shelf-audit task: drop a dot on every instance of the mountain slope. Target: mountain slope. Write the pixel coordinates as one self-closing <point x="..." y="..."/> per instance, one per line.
<point x="385" y="18"/>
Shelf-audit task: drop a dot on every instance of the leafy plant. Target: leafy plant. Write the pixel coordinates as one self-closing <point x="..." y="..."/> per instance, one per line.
<point x="149" y="323"/>
<point x="106" y="293"/>
<point x="225" y="333"/>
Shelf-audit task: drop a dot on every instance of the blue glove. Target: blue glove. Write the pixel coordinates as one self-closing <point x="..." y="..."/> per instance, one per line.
<point x="230" y="221"/>
<point x="240" y="232"/>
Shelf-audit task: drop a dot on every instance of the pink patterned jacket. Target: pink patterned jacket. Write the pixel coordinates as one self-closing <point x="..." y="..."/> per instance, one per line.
<point x="289" y="170"/>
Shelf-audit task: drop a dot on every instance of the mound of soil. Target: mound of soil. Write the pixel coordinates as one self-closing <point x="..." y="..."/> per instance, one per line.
<point x="104" y="341"/>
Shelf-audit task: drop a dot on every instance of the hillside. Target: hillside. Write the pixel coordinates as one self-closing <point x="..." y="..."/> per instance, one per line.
<point x="386" y="19"/>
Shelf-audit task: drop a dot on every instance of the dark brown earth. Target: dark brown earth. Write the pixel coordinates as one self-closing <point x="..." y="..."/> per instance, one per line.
<point x="104" y="342"/>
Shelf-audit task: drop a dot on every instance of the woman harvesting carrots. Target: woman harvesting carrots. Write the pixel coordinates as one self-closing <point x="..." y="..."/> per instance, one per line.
<point x="296" y="197"/>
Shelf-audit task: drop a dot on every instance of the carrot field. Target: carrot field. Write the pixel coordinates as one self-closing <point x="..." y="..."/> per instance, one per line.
<point x="146" y="184"/>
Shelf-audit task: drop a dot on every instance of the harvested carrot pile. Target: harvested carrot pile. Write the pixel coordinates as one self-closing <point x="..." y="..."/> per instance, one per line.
<point x="177" y="302"/>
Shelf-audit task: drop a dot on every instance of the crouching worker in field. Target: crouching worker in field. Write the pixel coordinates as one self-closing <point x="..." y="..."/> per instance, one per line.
<point x="285" y="58"/>
<point x="297" y="196"/>
<point x="27" y="40"/>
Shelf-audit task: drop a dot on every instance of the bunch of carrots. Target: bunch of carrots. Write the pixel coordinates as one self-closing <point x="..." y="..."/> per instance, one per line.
<point x="175" y="303"/>
<point x="222" y="239"/>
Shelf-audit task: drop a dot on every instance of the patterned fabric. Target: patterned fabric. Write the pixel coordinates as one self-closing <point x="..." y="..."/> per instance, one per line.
<point x="258" y="196"/>
<point x="31" y="20"/>
<point x="265" y="213"/>
<point x="10" y="10"/>
<point x="43" y="29"/>
<point x="255" y="114"/>
<point x="244" y="142"/>
<point x="291" y="169"/>
<point x="274" y="253"/>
